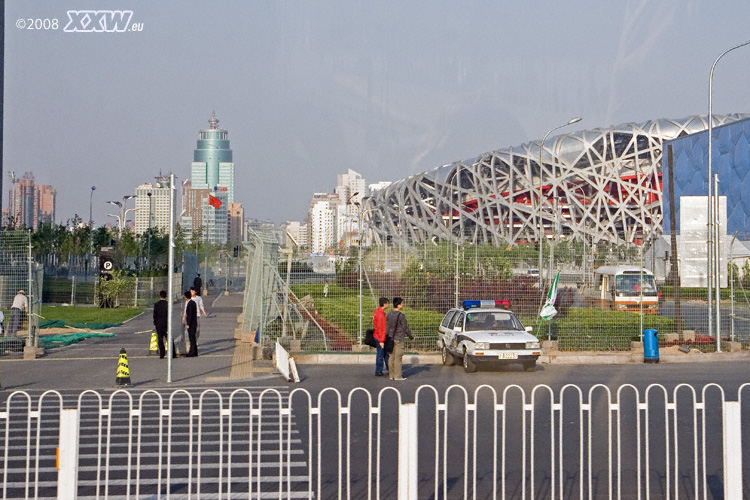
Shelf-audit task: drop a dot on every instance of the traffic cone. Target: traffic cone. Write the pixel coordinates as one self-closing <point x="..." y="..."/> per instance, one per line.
<point x="123" y="372"/>
<point x="153" y="348"/>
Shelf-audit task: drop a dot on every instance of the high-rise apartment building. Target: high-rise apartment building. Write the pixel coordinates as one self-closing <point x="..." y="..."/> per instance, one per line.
<point x="46" y="204"/>
<point x="321" y="222"/>
<point x="351" y="187"/>
<point x="30" y="204"/>
<point x="152" y="206"/>
<point x="192" y="208"/>
<point x="212" y="170"/>
<point x="294" y="230"/>
<point x="333" y="219"/>
<point x="236" y="225"/>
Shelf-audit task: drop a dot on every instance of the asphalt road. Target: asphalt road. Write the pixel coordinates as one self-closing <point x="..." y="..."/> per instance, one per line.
<point x="359" y="447"/>
<point x="695" y="315"/>
<point x="459" y="436"/>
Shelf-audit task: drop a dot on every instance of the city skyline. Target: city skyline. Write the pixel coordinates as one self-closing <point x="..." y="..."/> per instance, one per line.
<point x="389" y="89"/>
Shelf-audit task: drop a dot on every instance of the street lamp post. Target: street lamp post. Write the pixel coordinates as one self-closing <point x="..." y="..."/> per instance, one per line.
<point x="359" y="265"/>
<point x="360" y="214"/>
<point x="91" y="224"/>
<point x="713" y="253"/>
<point x="540" y="222"/>
<point x="349" y="215"/>
<point x="123" y="211"/>
<point x="91" y="207"/>
<point x="170" y="279"/>
<point x="458" y="239"/>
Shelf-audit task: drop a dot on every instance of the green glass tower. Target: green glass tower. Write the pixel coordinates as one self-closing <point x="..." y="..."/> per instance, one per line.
<point x="212" y="165"/>
<point x="213" y="169"/>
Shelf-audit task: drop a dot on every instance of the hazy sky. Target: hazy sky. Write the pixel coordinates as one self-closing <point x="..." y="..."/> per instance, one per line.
<point x="308" y="89"/>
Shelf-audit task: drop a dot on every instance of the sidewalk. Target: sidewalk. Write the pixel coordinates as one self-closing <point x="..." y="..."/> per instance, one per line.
<point x="92" y="363"/>
<point x="555" y="357"/>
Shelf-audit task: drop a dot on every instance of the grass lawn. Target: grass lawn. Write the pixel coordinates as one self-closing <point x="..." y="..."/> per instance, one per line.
<point x="82" y="314"/>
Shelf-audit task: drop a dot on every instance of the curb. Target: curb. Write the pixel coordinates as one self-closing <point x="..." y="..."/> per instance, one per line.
<point x="554" y="358"/>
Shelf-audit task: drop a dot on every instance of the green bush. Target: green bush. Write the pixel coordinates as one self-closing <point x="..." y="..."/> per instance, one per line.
<point x="589" y="329"/>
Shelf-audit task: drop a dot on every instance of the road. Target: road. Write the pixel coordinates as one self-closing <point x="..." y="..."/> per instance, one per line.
<point x="448" y="438"/>
<point x="456" y="474"/>
<point x="695" y="315"/>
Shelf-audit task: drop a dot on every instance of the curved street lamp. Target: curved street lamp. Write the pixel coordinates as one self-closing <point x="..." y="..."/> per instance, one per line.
<point x="540" y="222"/>
<point x="360" y="215"/>
<point x="713" y="234"/>
<point x="123" y="211"/>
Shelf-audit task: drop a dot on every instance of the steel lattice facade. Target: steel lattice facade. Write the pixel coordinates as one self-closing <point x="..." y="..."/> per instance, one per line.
<point x="596" y="185"/>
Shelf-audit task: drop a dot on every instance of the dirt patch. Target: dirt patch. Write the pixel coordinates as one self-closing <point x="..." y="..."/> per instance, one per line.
<point x="64" y="331"/>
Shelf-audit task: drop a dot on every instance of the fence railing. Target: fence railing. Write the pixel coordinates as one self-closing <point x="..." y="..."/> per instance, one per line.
<point x="80" y="290"/>
<point x="490" y="442"/>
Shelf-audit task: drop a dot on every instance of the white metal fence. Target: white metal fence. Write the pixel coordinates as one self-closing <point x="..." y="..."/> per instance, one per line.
<point x="491" y="442"/>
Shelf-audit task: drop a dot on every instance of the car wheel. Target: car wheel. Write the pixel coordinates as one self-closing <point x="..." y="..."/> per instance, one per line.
<point x="448" y="359"/>
<point x="529" y="366"/>
<point x="469" y="365"/>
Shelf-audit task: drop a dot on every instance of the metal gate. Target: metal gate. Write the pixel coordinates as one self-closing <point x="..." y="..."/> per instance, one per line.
<point x="493" y="442"/>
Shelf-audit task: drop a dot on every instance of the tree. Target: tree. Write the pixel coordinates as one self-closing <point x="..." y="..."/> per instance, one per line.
<point x="111" y="289"/>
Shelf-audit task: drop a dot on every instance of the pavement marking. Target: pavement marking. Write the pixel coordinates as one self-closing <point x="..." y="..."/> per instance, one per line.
<point x="159" y="447"/>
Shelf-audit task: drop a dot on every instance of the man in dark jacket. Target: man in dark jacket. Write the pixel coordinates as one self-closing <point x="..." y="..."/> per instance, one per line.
<point x="397" y="328"/>
<point x="160" y="322"/>
<point x="197" y="284"/>
<point x="191" y="323"/>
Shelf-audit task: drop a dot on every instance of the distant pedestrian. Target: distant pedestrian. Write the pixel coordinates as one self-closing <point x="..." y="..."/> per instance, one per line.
<point x="191" y="324"/>
<point x="397" y="327"/>
<point x="379" y="327"/>
<point x="199" y="303"/>
<point x="325" y="288"/>
<point x="161" y="316"/>
<point x="198" y="283"/>
<point x="180" y="342"/>
<point x="17" y="310"/>
<point x="2" y="324"/>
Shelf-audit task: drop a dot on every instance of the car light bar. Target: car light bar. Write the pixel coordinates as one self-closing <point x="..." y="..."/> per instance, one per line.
<point x="473" y="304"/>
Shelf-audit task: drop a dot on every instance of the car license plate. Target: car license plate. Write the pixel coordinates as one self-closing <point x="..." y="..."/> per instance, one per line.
<point x="508" y="355"/>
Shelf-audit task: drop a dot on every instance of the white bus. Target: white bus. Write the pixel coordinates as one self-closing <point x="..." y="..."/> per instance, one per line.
<point x="623" y="288"/>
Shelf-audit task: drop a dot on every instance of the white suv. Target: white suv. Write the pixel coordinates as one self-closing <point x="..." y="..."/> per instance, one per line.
<point x="483" y="332"/>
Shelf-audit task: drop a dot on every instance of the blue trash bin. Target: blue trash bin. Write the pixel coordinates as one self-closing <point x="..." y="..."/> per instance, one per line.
<point x="650" y="346"/>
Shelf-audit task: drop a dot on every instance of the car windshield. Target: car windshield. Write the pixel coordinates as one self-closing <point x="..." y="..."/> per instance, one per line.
<point x="492" y="321"/>
<point x="635" y="283"/>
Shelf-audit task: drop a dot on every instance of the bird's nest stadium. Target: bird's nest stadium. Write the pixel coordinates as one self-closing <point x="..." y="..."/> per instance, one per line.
<point x="601" y="185"/>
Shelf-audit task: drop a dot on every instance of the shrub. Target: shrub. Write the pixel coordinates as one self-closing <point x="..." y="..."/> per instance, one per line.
<point x="589" y="329"/>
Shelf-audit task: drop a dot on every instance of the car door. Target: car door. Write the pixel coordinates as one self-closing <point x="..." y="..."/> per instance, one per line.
<point x="444" y="329"/>
<point x="455" y="328"/>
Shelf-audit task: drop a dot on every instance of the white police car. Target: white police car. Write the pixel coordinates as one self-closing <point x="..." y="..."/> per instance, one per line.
<point x="483" y="331"/>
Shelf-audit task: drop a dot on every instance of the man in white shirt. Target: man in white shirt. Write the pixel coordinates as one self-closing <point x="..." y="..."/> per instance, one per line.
<point x="17" y="309"/>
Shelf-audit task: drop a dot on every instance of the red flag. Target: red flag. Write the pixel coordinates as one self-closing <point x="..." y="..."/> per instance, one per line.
<point x="214" y="201"/>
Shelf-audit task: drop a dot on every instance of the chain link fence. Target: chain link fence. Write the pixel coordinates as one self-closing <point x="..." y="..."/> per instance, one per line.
<point x="606" y="297"/>
<point x="84" y="290"/>
<point x="20" y="291"/>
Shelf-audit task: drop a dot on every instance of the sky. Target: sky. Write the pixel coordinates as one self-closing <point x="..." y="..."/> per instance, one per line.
<point x="309" y="89"/>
